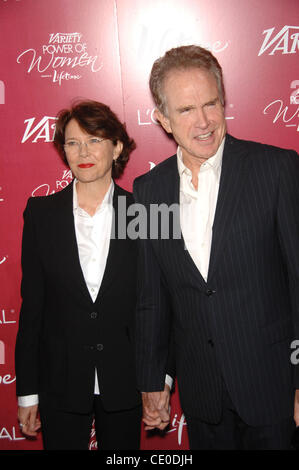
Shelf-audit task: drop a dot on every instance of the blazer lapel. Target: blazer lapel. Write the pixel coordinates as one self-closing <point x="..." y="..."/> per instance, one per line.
<point x="233" y="175"/>
<point x="69" y="248"/>
<point x="116" y="246"/>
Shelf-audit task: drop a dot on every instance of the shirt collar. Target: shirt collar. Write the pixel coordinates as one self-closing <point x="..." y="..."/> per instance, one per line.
<point x="107" y="199"/>
<point x="214" y="162"/>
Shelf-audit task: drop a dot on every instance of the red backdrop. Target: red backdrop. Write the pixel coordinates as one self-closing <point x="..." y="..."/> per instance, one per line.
<point x="54" y="52"/>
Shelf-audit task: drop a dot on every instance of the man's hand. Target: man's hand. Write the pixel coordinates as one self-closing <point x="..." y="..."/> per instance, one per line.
<point x="156" y="409"/>
<point x="29" y="422"/>
<point x="296" y="408"/>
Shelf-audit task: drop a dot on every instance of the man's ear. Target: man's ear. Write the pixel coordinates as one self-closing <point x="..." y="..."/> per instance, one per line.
<point x="163" y="120"/>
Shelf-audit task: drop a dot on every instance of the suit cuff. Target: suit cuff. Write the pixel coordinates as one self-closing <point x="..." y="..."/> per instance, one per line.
<point x="28" y="400"/>
<point x="168" y="381"/>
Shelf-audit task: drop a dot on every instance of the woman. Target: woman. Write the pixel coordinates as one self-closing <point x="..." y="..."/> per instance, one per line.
<point x="75" y="343"/>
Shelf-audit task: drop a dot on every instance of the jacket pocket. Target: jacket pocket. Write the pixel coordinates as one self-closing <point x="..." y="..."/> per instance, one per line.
<point x="277" y="332"/>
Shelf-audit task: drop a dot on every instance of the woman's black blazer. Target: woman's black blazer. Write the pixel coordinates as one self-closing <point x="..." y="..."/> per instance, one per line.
<point x="63" y="335"/>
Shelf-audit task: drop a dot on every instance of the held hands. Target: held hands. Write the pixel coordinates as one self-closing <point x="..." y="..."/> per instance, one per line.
<point x="156" y="412"/>
<point x="29" y="423"/>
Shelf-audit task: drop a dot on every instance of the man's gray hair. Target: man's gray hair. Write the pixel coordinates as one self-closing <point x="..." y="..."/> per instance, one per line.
<point x="181" y="58"/>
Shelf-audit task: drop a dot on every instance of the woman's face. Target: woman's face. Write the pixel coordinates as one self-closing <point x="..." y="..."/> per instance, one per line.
<point x="89" y="157"/>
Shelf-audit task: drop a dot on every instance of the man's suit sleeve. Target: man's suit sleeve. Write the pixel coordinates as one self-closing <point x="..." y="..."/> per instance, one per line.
<point x="154" y="356"/>
<point x="32" y="291"/>
<point x="288" y="230"/>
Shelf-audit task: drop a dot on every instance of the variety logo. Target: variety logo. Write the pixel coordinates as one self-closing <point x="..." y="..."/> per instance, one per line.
<point x="285" y="41"/>
<point x="44" y="129"/>
<point x="63" y="58"/>
<point x="287" y="115"/>
<point x="2" y="92"/>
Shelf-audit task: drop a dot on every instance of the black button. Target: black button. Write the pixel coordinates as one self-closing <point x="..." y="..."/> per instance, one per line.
<point x="94" y="315"/>
<point x="99" y="347"/>
<point x="210" y="292"/>
<point x="211" y="343"/>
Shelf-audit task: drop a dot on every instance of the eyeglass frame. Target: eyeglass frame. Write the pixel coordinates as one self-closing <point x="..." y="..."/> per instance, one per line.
<point x="77" y="148"/>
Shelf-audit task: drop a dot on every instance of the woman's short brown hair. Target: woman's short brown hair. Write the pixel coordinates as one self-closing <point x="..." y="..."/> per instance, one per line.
<point x="96" y="119"/>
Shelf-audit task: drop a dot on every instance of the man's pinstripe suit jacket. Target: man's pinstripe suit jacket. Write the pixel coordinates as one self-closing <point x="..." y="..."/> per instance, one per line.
<point x="238" y="326"/>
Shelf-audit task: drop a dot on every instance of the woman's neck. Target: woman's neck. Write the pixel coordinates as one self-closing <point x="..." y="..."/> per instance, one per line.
<point x="91" y="195"/>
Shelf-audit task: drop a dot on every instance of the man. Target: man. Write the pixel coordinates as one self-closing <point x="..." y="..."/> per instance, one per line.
<point x="232" y="277"/>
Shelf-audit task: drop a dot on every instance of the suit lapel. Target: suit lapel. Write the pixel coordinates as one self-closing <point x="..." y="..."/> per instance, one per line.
<point x="233" y="175"/>
<point x="170" y="194"/>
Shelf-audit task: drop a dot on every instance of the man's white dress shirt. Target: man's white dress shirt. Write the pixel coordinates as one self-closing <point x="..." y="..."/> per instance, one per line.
<point x="93" y="240"/>
<point x="197" y="207"/>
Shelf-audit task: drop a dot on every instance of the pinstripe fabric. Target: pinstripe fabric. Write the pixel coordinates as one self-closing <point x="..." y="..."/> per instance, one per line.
<point x="239" y="324"/>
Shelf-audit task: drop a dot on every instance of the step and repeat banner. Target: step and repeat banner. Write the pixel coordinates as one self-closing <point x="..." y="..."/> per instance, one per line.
<point x="54" y="52"/>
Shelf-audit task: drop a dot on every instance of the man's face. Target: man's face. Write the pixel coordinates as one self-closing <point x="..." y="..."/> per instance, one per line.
<point x="195" y="115"/>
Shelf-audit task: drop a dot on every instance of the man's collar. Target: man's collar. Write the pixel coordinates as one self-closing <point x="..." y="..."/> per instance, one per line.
<point x="215" y="161"/>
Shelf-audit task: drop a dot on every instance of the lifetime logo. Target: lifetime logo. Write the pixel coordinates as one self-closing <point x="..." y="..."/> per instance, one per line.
<point x="2" y="352"/>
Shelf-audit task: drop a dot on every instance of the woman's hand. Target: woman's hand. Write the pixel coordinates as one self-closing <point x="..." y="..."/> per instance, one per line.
<point x="29" y="422"/>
